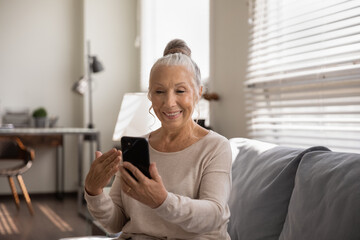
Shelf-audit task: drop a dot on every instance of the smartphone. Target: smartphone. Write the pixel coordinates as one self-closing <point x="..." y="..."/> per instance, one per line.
<point x="136" y="151"/>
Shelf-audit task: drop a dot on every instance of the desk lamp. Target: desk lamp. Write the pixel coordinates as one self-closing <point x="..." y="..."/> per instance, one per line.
<point x="134" y="118"/>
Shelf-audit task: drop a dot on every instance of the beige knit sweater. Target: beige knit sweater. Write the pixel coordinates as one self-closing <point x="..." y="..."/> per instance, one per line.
<point x="198" y="181"/>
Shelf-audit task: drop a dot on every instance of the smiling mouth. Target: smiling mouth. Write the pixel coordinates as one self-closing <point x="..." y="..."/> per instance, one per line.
<point x="173" y="115"/>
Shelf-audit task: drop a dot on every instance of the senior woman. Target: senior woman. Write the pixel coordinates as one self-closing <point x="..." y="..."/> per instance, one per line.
<point x="186" y="197"/>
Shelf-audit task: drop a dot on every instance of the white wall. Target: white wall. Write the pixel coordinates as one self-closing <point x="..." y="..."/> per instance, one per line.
<point x="110" y="25"/>
<point x="228" y="53"/>
<point x="41" y="49"/>
<point x="42" y="55"/>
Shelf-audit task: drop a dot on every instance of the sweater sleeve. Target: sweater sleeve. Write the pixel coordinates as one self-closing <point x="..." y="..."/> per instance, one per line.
<point x="210" y="211"/>
<point x="107" y="208"/>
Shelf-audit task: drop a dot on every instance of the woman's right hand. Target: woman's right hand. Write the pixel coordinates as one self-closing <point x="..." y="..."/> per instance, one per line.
<point x="102" y="170"/>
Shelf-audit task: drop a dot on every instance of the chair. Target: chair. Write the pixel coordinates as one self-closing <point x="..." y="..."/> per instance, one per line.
<point x="12" y="151"/>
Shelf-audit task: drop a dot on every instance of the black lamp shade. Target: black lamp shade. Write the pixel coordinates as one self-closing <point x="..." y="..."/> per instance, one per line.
<point x="96" y="66"/>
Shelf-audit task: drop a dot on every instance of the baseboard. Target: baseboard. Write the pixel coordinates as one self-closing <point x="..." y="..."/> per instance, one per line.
<point x="40" y="195"/>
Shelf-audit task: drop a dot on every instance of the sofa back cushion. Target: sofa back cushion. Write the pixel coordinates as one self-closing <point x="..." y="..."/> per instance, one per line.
<point x="262" y="184"/>
<point x="326" y="200"/>
<point x="263" y="180"/>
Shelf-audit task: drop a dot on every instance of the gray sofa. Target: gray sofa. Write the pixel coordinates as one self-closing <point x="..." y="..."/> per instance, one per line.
<point x="292" y="193"/>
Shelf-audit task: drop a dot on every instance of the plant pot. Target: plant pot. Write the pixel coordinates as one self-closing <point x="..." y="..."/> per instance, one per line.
<point x="40" y="122"/>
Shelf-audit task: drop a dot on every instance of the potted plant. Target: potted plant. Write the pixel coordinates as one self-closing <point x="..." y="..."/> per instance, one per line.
<point x="40" y="117"/>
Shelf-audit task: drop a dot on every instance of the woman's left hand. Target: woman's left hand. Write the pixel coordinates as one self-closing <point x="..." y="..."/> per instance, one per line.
<point x="150" y="192"/>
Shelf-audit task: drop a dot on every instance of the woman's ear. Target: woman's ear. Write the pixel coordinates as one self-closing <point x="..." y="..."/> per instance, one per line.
<point x="200" y="91"/>
<point x="197" y="99"/>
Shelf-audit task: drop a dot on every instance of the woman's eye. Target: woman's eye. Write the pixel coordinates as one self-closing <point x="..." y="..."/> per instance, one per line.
<point x="180" y="91"/>
<point x="159" y="91"/>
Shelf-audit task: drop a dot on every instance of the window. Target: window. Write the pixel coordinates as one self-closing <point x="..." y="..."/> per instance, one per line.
<point x="303" y="80"/>
<point x="164" y="20"/>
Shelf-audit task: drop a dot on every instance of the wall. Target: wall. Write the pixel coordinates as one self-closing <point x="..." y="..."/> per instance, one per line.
<point x="41" y="49"/>
<point x="42" y="55"/>
<point x="228" y="54"/>
<point x="110" y="26"/>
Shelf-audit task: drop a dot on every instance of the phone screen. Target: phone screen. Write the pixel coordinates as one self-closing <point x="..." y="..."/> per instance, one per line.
<point x="136" y="151"/>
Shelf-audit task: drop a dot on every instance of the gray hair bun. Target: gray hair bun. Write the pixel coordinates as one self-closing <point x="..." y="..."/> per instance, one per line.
<point x="177" y="46"/>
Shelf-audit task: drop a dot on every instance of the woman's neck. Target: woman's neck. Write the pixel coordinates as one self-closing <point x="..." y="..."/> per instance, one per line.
<point x="172" y="140"/>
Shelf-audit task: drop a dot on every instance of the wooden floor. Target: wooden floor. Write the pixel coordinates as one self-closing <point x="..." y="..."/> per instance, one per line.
<point x="54" y="219"/>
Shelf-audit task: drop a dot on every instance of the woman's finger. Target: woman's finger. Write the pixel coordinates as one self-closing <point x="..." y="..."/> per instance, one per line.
<point x="125" y="175"/>
<point x="135" y="171"/>
<point x="125" y="187"/>
<point x="154" y="172"/>
<point x="107" y="154"/>
<point x="98" y="154"/>
<point x="112" y="168"/>
<point x="111" y="158"/>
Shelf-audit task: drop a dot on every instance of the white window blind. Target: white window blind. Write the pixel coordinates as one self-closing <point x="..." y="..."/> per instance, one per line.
<point x="303" y="80"/>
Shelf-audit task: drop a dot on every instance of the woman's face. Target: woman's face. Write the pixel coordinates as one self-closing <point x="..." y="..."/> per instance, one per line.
<point x="173" y="95"/>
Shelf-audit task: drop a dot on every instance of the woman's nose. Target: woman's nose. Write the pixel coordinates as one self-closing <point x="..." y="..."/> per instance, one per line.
<point x="170" y="100"/>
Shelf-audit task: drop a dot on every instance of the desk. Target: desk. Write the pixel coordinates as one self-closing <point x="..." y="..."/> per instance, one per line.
<point x="53" y="137"/>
